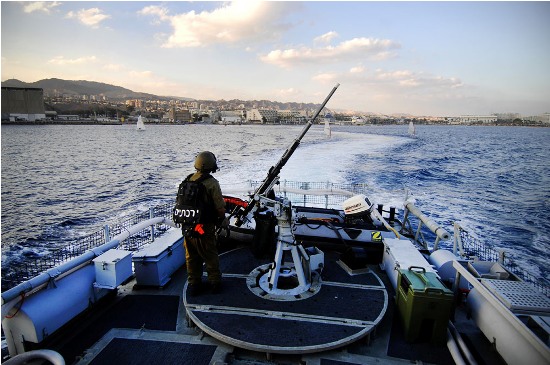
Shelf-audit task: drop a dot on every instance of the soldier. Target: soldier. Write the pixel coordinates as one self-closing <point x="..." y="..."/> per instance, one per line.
<point x="200" y="243"/>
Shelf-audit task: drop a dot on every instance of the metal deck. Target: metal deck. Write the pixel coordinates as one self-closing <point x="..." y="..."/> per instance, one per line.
<point x="344" y="309"/>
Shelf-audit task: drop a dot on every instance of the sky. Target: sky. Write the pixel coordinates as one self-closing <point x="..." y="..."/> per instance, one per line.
<point x="420" y="58"/>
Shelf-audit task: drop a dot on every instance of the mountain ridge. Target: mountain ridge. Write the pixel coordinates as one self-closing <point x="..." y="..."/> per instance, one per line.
<point x="54" y="86"/>
<point x="84" y="87"/>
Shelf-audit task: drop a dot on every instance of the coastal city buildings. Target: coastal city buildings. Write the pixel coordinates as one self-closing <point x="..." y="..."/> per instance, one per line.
<point x="483" y="119"/>
<point x="20" y="104"/>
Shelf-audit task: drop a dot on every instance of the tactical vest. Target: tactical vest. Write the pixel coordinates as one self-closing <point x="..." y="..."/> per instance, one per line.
<point x="193" y="205"/>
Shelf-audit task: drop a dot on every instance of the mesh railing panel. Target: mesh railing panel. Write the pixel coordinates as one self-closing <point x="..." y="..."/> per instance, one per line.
<point x="332" y="199"/>
<point x="473" y="247"/>
<point x="19" y="272"/>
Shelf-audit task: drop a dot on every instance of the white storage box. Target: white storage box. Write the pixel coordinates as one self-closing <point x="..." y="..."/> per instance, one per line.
<point x="112" y="268"/>
<point x="402" y="254"/>
<point x="157" y="262"/>
<point x="316" y="259"/>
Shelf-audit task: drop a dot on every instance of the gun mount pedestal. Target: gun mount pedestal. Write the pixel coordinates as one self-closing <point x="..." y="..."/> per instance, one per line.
<point x="285" y="280"/>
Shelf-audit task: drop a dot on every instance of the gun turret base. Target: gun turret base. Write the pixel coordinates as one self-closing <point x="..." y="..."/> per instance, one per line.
<point x="343" y="310"/>
<point x="288" y="288"/>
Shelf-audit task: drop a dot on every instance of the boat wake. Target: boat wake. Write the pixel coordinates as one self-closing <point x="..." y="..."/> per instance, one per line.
<point x="317" y="159"/>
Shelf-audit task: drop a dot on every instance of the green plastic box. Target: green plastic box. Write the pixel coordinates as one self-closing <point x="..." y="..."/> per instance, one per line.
<point x="424" y="304"/>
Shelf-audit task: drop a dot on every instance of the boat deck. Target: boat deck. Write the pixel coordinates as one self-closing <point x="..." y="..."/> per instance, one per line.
<point x="339" y="311"/>
<point x="142" y="325"/>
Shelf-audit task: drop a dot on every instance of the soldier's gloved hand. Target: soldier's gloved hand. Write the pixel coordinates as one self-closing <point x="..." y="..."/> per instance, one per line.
<point x="224" y="223"/>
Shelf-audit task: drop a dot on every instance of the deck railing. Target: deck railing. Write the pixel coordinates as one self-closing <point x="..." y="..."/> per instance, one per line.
<point x="321" y="194"/>
<point x="467" y="246"/>
<point x="22" y="271"/>
<point x="423" y="224"/>
<point x="317" y="194"/>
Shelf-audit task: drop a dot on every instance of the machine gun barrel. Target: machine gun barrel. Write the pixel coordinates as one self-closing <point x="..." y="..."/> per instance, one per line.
<point x="275" y="170"/>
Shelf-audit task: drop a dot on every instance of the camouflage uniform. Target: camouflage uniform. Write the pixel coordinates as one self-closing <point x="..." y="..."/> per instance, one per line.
<point x="202" y="248"/>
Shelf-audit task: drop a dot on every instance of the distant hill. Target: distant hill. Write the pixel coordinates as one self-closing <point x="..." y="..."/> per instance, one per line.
<point x="81" y="87"/>
<point x="15" y="83"/>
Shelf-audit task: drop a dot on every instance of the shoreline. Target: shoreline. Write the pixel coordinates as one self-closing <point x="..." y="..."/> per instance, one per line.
<point x="80" y="122"/>
<point x="64" y="122"/>
<point x="92" y="122"/>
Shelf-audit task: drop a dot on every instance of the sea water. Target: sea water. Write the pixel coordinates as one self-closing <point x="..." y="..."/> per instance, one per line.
<point x="62" y="182"/>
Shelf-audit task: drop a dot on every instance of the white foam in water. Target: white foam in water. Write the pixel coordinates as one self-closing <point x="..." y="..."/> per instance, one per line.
<point x="329" y="161"/>
<point x="317" y="159"/>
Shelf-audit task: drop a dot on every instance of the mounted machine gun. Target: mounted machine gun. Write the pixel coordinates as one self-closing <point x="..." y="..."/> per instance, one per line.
<point x="273" y="174"/>
<point x="305" y="266"/>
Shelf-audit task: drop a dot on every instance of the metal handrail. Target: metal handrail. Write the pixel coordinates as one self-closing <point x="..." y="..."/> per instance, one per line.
<point x="53" y="357"/>
<point x="440" y="232"/>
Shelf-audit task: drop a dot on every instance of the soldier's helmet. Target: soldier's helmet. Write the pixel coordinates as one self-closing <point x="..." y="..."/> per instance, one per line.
<point x="206" y="162"/>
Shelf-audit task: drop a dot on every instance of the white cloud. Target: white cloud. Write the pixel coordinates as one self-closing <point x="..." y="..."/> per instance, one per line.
<point x="90" y="17"/>
<point x="44" y="6"/>
<point x="393" y="75"/>
<point x="326" y="77"/>
<point x="61" y="60"/>
<point x="396" y="81"/>
<point x="155" y="10"/>
<point x="326" y="38"/>
<point x="141" y="74"/>
<point x="231" y="23"/>
<point x="10" y="61"/>
<point x="113" y="67"/>
<point x="356" y="48"/>
<point x="289" y="93"/>
<point x="390" y="90"/>
<point x="397" y="90"/>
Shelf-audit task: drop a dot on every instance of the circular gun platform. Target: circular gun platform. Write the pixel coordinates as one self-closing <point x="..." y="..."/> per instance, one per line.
<point x="341" y="309"/>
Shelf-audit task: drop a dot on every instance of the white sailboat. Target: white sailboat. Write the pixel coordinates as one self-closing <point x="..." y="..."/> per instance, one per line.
<point x="140" y="124"/>
<point x="327" y="128"/>
<point x="412" y="129"/>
